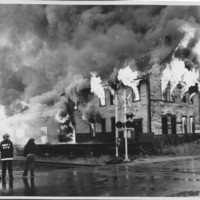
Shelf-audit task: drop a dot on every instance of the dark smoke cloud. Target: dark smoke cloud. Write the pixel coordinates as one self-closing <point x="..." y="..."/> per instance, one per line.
<point x="44" y="48"/>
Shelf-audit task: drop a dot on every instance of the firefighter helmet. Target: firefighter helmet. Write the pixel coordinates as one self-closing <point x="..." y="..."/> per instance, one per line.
<point x="6" y="135"/>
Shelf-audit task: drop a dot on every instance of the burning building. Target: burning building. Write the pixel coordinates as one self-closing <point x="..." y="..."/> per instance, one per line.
<point x="164" y="101"/>
<point x="63" y="68"/>
<point x="155" y="110"/>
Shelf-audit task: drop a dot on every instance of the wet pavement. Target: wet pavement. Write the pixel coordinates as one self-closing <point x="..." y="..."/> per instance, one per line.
<point x="171" y="178"/>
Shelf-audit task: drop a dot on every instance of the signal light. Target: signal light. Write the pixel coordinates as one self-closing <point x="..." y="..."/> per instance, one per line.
<point x="128" y="124"/>
<point x="119" y="124"/>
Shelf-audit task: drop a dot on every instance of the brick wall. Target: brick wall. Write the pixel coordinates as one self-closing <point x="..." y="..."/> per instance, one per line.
<point x="83" y="126"/>
<point x="150" y="108"/>
<point x="161" y="108"/>
<point x="138" y="108"/>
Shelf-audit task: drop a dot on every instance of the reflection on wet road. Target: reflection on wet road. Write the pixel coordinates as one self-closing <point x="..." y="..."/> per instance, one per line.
<point x="171" y="178"/>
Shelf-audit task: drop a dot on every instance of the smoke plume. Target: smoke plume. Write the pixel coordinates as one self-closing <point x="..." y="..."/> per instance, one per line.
<point x="48" y="51"/>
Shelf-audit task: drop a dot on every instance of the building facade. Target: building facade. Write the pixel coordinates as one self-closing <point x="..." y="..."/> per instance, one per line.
<point x="154" y="113"/>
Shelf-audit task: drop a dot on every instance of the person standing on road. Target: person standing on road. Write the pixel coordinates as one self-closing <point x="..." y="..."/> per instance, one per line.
<point x="30" y="152"/>
<point x="6" y="148"/>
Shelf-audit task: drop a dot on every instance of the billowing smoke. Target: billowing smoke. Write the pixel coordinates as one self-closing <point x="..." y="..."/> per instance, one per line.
<point x="91" y="114"/>
<point x="47" y="53"/>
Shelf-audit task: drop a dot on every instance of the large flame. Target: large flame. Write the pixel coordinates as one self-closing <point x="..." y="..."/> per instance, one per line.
<point x="176" y="72"/>
<point x="173" y="73"/>
<point x="128" y="78"/>
<point x="97" y="87"/>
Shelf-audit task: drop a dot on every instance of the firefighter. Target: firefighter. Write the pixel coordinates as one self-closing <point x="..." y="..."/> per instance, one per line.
<point x="30" y="152"/>
<point x="6" y="148"/>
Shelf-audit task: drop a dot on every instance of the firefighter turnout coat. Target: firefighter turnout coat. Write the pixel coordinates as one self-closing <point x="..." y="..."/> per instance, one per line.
<point x="6" y="148"/>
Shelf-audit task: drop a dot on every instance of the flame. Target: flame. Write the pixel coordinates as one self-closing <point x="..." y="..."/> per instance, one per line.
<point x="97" y="87"/>
<point x="44" y="138"/>
<point x="173" y="73"/>
<point x="127" y="76"/>
<point x="189" y="34"/>
<point x="176" y="73"/>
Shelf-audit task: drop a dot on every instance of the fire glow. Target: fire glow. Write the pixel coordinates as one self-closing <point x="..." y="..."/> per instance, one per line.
<point x="127" y="76"/>
<point x="97" y="87"/>
<point x="176" y="72"/>
<point x="55" y="54"/>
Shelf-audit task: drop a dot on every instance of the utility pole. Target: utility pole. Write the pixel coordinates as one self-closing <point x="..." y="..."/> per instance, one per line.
<point x="125" y="130"/>
<point x="116" y="129"/>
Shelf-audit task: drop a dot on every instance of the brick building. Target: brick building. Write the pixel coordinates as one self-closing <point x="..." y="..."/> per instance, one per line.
<point x="155" y="113"/>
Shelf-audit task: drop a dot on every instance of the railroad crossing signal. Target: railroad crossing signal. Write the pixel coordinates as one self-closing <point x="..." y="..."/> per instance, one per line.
<point x="128" y="124"/>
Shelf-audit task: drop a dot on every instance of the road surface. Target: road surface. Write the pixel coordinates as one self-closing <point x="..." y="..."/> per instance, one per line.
<point x="172" y="178"/>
